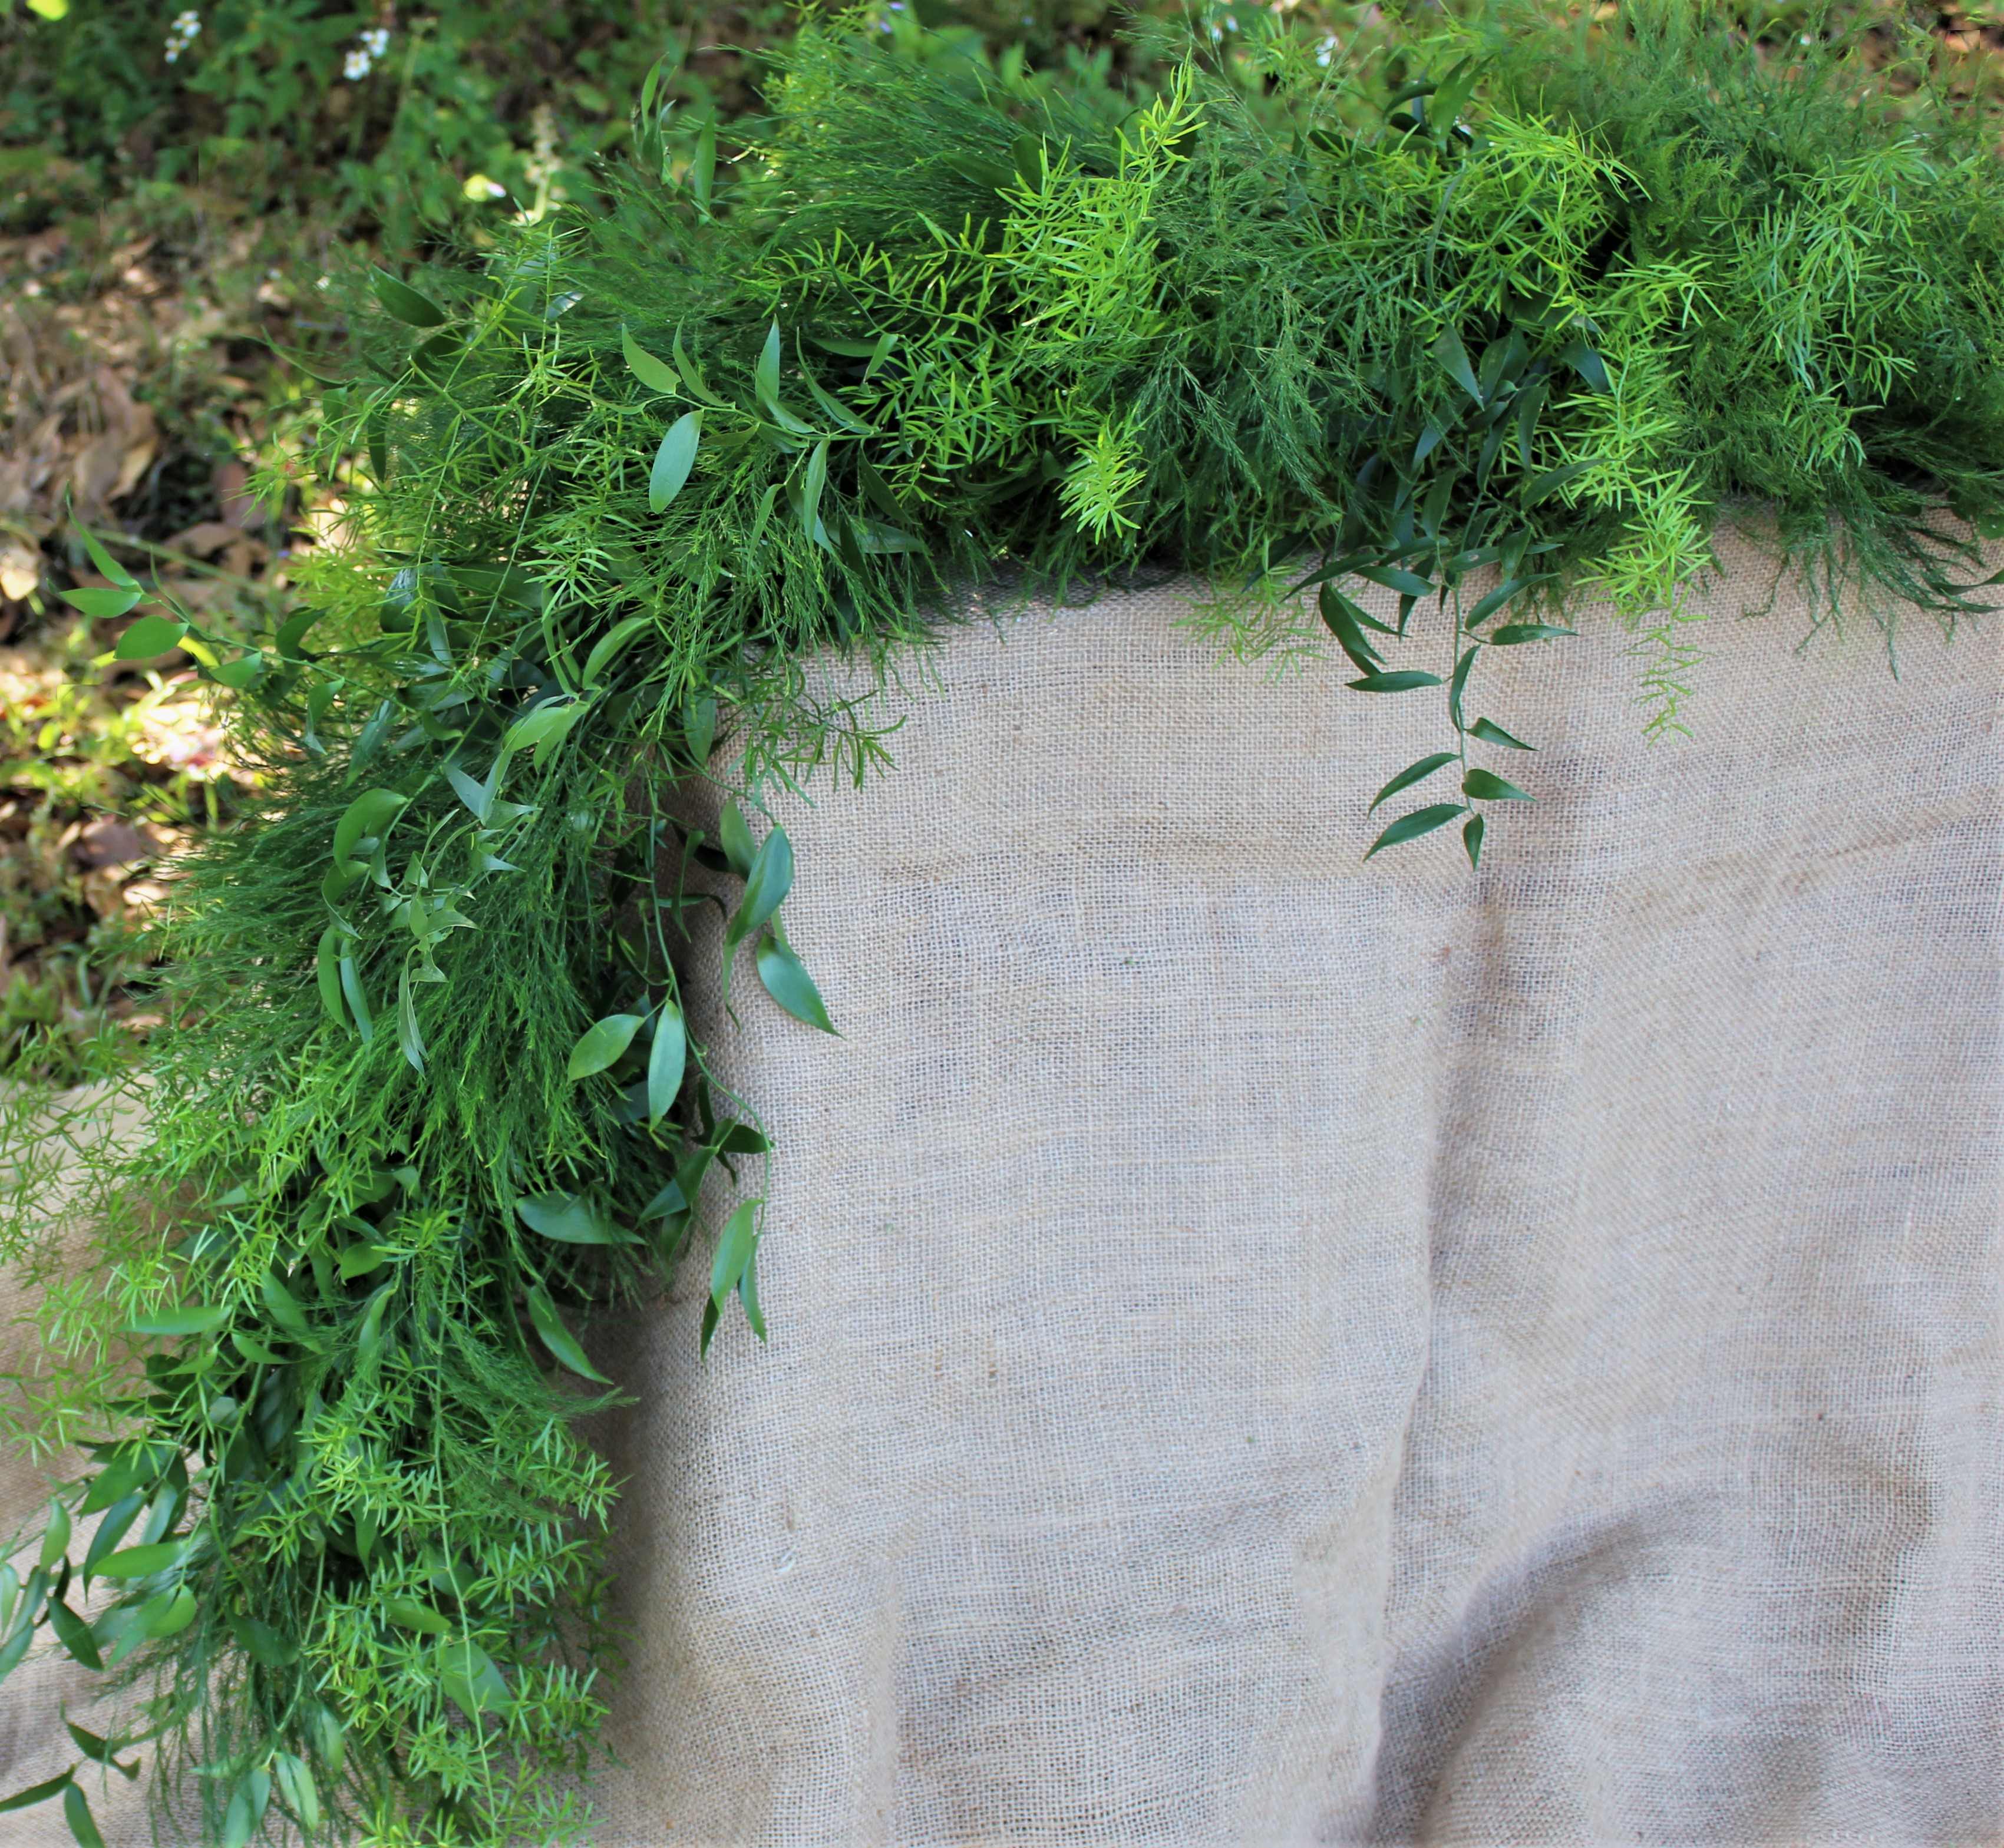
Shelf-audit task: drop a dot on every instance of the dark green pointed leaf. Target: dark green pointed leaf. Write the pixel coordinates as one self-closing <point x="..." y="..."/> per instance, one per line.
<point x="1343" y="619"/>
<point x="1511" y="634"/>
<point x="657" y="375"/>
<point x="699" y="728"/>
<point x="1553" y="479"/>
<point x="169" y="1614"/>
<point x="297" y="1789"/>
<point x="570" y="1219"/>
<point x="733" y="1250"/>
<point x="1458" y="683"/>
<point x="702" y="170"/>
<point x="666" y="1060"/>
<point x="411" y="1613"/>
<point x="1502" y="594"/>
<point x="245" y="1813"/>
<point x="1486" y="785"/>
<point x="149" y="636"/>
<point x="813" y="479"/>
<point x="74" y="1634"/>
<point x="357" y="998"/>
<point x="246" y="670"/>
<point x="1589" y="364"/>
<point x="108" y="567"/>
<point x="1407" y="583"/>
<point x="55" y="1537"/>
<point x="691" y="376"/>
<point x="735" y="839"/>
<point x="262" y="1643"/>
<point x="747" y="1294"/>
<point x="82" y="1825"/>
<point x="368" y="813"/>
<point x="405" y="303"/>
<point x="603" y="1045"/>
<point x="1530" y="402"/>
<point x="1471" y="840"/>
<point x="141" y="1561"/>
<point x="788" y="982"/>
<point x="408" y="1037"/>
<point x="1453" y="357"/>
<point x="885" y="502"/>
<point x="1490" y="732"/>
<point x="765" y="373"/>
<point x="11" y="1653"/>
<point x="284" y="1306"/>
<point x="193" y="1318"/>
<point x="1412" y="773"/>
<point x="370" y="1337"/>
<point x="1404" y="682"/>
<point x="358" y="1260"/>
<point x="766" y="885"/>
<point x="327" y="971"/>
<point x="1410" y="828"/>
<point x="612" y="643"/>
<point x="558" y="1339"/>
<point x="40" y="1793"/>
<point x="100" y="605"/>
<point x="673" y="460"/>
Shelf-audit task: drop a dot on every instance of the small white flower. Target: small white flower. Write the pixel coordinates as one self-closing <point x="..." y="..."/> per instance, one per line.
<point x="181" y="34"/>
<point x="369" y="46"/>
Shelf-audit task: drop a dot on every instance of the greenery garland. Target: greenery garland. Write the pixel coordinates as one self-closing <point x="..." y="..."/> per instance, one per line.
<point x="1531" y="312"/>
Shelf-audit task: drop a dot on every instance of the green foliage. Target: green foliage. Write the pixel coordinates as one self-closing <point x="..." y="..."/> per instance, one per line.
<point x="434" y="1092"/>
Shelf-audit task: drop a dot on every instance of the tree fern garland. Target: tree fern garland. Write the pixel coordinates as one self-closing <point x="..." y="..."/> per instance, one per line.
<point x="1570" y="304"/>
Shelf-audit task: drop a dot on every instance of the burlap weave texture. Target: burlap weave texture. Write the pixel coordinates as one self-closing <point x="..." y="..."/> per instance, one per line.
<point x="1272" y="1349"/>
<point x="1269" y="1348"/>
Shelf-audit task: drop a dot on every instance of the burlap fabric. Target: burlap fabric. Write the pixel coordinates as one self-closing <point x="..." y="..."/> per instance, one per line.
<point x="1268" y="1348"/>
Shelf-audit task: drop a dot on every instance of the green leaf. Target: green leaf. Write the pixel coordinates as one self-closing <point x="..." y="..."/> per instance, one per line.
<point x="1553" y="479"/>
<point x="1407" y="583"/>
<point x="74" y="1634"/>
<point x="1410" y="828"/>
<point x="370" y="1338"/>
<point x="142" y="1561"/>
<point x="292" y="633"/>
<point x="296" y="1789"/>
<point x="570" y="1219"/>
<point x="735" y="838"/>
<point x="1412" y="773"/>
<point x="100" y="605"/>
<point x="246" y="670"/>
<point x="11" y="1653"/>
<point x="666" y="1060"/>
<point x="169" y="1614"/>
<point x="284" y="1306"/>
<point x="655" y="374"/>
<point x="558" y="1339"/>
<point x="55" y="1537"/>
<point x="702" y="170"/>
<point x="82" y="1825"/>
<point x="472" y="1682"/>
<point x="603" y="1045"/>
<point x="40" y="1793"/>
<point x="1343" y="619"/>
<point x="1589" y="364"/>
<point x="1490" y="732"/>
<point x="409" y="1037"/>
<point x="327" y="971"/>
<point x="813" y="479"/>
<point x="699" y="728"/>
<point x="247" y="1803"/>
<point x="766" y="885"/>
<point x="197" y="1318"/>
<point x="1486" y="785"/>
<point x="610" y="644"/>
<point x="733" y="1250"/>
<point x="261" y="1642"/>
<point x="1454" y="357"/>
<point x="880" y="496"/>
<point x="403" y="303"/>
<point x="1458" y="683"/>
<point x="544" y="727"/>
<point x="149" y="636"/>
<point x="691" y="376"/>
<point x="1489" y="605"/>
<point x="1404" y="682"/>
<point x="673" y="460"/>
<point x="1511" y="634"/>
<point x="108" y="567"/>
<point x="409" y="1613"/>
<point x="765" y="373"/>
<point x="358" y="1260"/>
<point x="788" y="982"/>
<point x="368" y="813"/>
<point x="1529" y="403"/>
<point x="358" y="999"/>
<point x="747" y="1294"/>
<point x="1471" y="840"/>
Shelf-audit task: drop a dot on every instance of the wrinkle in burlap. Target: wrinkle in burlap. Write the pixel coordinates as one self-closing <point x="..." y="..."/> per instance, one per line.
<point x="1269" y="1348"/>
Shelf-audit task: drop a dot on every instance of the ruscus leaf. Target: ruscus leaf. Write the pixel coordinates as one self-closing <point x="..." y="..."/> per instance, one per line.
<point x="788" y="982"/>
<point x="603" y="1045"/>
<point x="1410" y="828"/>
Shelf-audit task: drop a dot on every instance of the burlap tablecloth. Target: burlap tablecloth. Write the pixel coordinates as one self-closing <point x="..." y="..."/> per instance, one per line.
<point x="1268" y="1348"/>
